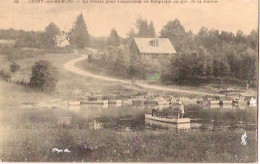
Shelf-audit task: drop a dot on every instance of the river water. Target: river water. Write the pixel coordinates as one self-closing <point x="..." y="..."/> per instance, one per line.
<point x="129" y="117"/>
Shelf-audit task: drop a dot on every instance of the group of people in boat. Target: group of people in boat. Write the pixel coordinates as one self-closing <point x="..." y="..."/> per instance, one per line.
<point x="157" y="112"/>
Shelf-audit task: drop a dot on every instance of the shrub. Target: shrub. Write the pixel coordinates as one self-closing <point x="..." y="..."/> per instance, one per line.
<point x="44" y="76"/>
<point x="14" y="67"/>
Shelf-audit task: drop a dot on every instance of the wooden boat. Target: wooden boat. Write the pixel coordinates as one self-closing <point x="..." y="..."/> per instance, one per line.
<point x="226" y="102"/>
<point x="183" y="126"/>
<point x="74" y="103"/>
<point x="128" y="102"/>
<point x="214" y="102"/>
<point x="159" y="101"/>
<point x="114" y="101"/>
<point x="175" y="120"/>
<point x="151" y="102"/>
<point x="138" y="101"/>
<point x="162" y="101"/>
<point x="92" y="98"/>
<point x="98" y="102"/>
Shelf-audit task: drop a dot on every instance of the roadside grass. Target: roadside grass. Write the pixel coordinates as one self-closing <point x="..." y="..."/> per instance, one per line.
<point x="111" y="146"/>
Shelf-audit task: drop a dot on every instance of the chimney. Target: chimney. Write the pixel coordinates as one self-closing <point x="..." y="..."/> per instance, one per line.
<point x="154" y="42"/>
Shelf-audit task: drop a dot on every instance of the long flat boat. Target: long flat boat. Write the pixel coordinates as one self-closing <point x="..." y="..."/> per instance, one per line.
<point x="101" y="102"/>
<point x="74" y="103"/>
<point x="169" y="120"/>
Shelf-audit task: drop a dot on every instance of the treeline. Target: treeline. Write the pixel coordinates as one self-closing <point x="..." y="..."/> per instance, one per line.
<point x="211" y="54"/>
<point x="39" y="39"/>
<point x="207" y="57"/>
<point x="78" y="36"/>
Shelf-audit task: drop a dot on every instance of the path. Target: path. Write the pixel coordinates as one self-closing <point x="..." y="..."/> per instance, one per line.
<point x="70" y="66"/>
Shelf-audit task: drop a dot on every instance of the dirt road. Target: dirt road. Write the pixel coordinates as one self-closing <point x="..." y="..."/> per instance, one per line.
<point x="70" y="66"/>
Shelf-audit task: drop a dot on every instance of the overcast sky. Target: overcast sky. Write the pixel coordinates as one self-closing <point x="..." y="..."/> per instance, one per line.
<point x="229" y="15"/>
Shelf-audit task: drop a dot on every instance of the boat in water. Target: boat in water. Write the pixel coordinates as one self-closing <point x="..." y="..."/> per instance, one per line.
<point x="74" y="103"/>
<point x="97" y="102"/>
<point x="183" y="126"/>
<point x="159" y="101"/>
<point x="176" y="120"/>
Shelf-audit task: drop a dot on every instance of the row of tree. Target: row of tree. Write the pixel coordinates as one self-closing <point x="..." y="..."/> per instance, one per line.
<point x="211" y="53"/>
<point x="78" y="36"/>
<point x="208" y="54"/>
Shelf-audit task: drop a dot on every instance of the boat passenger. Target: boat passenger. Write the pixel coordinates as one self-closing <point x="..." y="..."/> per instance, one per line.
<point x="182" y="110"/>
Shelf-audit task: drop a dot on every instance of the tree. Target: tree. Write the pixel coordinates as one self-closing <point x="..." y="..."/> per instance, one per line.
<point x="79" y="36"/>
<point x="253" y="39"/>
<point x="44" y="76"/>
<point x="143" y="29"/>
<point x="121" y="63"/>
<point x="240" y="38"/>
<point x="113" y="39"/>
<point x="131" y="34"/>
<point x="151" y="30"/>
<point x="176" y="33"/>
<point x="51" y="31"/>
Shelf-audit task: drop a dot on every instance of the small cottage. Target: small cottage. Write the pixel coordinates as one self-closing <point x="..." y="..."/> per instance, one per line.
<point x="152" y="49"/>
<point x="62" y="40"/>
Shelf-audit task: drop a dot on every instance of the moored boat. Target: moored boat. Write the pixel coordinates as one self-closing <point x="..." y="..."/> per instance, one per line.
<point x="138" y="101"/>
<point x="94" y="102"/>
<point x="74" y="103"/>
<point x="175" y="120"/>
<point x="158" y="101"/>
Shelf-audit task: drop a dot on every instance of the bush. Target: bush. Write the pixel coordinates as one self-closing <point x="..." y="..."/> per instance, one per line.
<point x="44" y="76"/>
<point x="14" y="67"/>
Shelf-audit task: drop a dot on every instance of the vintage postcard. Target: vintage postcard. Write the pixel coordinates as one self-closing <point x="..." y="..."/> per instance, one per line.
<point x="129" y="81"/>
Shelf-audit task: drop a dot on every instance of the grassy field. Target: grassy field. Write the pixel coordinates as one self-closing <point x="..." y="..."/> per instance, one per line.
<point x="69" y="85"/>
<point x="108" y="145"/>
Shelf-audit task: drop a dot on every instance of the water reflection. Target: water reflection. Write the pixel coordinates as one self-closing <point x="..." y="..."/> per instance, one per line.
<point x="75" y="109"/>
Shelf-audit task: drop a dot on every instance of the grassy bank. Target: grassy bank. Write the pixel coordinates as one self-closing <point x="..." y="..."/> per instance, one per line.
<point x="147" y="146"/>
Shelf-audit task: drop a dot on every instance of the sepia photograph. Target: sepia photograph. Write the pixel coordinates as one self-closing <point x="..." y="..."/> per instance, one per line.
<point x="162" y="81"/>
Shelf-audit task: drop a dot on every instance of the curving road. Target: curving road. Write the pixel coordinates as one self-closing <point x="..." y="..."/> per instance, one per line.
<point x="70" y="66"/>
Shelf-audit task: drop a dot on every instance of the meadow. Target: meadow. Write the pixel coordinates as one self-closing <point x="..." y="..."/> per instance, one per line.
<point x="28" y="145"/>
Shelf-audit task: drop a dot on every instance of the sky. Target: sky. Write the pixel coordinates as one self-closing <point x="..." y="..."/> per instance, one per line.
<point x="228" y="15"/>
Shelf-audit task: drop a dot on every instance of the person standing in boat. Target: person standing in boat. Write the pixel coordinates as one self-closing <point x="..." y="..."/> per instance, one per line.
<point x="181" y="109"/>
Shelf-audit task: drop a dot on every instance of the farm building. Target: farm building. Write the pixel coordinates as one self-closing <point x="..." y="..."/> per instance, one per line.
<point x="152" y="49"/>
<point x="62" y="40"/>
